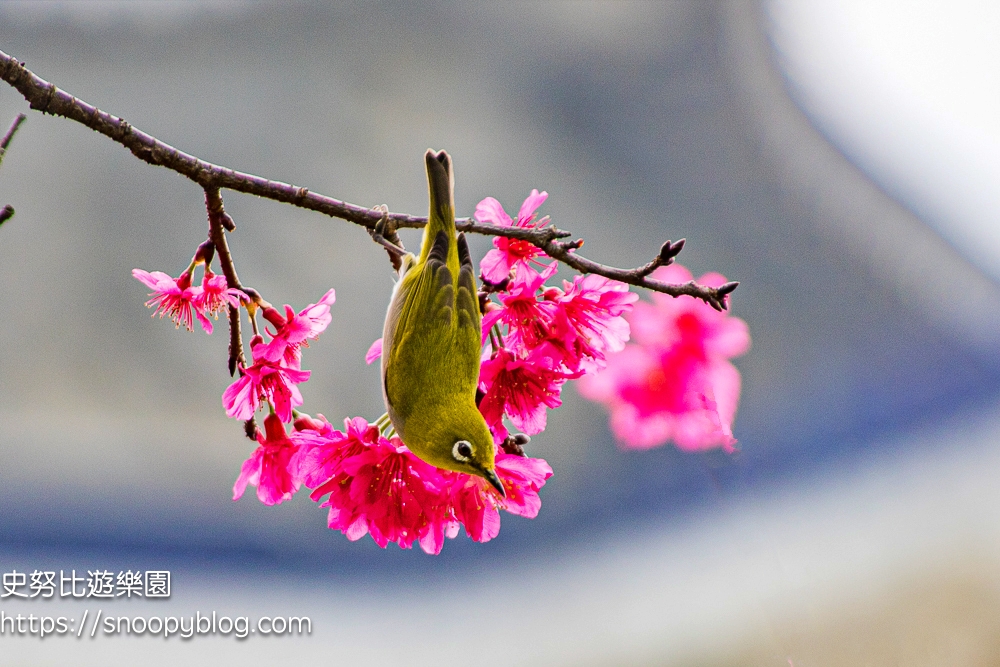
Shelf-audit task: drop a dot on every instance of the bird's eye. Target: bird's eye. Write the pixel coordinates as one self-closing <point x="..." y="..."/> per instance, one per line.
<point x="462" y="451"/>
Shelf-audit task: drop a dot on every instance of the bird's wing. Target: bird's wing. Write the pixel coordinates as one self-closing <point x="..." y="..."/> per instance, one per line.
<point x="418" y="336"/>
<point x="468" y="335"/>
<point x="400" y="294"/>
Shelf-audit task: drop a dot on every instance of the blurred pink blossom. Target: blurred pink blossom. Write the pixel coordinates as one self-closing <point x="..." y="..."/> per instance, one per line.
<point x="675" y="381"/>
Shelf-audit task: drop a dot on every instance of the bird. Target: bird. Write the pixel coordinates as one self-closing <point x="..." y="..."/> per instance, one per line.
<point x="432" y="343"/>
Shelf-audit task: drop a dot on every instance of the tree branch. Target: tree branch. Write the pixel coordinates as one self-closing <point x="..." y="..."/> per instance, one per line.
<point x="47" y="98"/>
<point x="218" y="222"/>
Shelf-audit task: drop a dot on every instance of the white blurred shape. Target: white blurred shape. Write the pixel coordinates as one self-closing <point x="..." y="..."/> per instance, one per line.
<point x="910" y="91"/>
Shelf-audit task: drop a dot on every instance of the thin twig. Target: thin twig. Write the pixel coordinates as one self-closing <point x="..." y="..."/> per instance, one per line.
<point x="10" y="134"/>
<point x="7" y="212"/>
<point x="45" y="97"/>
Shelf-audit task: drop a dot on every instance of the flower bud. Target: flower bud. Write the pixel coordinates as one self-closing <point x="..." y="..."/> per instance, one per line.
<point x="205" y="253"/>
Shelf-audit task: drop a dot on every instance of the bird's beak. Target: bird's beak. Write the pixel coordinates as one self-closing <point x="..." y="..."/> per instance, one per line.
<point x="491" y="477"/>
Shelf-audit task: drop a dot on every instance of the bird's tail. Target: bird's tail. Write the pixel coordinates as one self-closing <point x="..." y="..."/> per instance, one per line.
<point x="442" y="211"/>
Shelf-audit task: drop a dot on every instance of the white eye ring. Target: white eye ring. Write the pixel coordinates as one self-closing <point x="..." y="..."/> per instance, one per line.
<point x="462" y="451"/>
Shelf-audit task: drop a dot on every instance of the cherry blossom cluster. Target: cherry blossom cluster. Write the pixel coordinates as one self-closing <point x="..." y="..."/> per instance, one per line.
<point x="374" y="485"/>
<point x="182" y="301"/>
<point x="277" y="364"/>
<point x="371" y="483"/>
<point x="674" y="382"/>
<point x="539" y="336"/>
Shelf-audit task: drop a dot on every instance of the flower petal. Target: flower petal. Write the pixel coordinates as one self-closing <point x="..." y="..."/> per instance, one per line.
<point x="490" y="211"/>
<point x="374" y="352"/>
<point x="530" y="205"/>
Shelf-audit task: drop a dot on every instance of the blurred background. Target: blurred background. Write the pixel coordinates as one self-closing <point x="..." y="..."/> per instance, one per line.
<point x="839" y="159"/>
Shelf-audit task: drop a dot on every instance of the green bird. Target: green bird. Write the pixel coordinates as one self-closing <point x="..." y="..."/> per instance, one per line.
<point x="431" y="343"/>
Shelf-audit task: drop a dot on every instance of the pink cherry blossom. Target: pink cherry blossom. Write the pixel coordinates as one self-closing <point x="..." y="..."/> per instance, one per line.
<point x="588" y="322"/>
<point x="268" y="467"/>
<point x="498" y="431"/>
<point x="215" y="295"/>
<point x="583" y="322"/>
<point x="264" y="381"/>
<point x="675" y="381"/>
<point x="656" y="323"/>
<point x="324" y="461"/>
<point x="376" y="486"/>
<point x="382" y="489"/>
<point x="522" y="477"/>
<point x="521" y="387"/>
<point x="173" y="297"/>
<point x="323" y="449"/>
<point x="293" y="330"/>
<point x="476" y="504"/>
<point x="510" y="254"/>
<point x="527" y="319"/>
<point x="318" y="424"/>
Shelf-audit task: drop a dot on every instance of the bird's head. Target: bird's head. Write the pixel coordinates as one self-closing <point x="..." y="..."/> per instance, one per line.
<point x="460" y="441"/>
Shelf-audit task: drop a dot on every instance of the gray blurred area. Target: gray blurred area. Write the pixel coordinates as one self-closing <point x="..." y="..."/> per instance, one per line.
<point x="874" y="364"/>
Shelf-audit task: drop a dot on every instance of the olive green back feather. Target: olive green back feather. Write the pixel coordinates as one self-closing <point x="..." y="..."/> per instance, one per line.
<point x="431" y="341"/>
